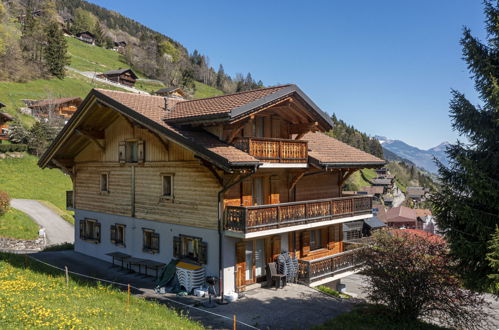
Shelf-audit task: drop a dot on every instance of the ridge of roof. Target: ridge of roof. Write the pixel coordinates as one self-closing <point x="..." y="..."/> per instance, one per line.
<point x="239" y="93"/>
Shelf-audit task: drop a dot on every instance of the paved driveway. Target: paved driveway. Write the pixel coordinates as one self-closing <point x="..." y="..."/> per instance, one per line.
<point x="57" y="229"/>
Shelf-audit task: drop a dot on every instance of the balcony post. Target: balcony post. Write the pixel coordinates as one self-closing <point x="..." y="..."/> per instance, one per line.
<point x="278" y="217"/>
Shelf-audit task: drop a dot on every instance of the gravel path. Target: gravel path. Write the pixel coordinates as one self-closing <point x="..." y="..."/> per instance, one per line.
<point x="57" y="229"/>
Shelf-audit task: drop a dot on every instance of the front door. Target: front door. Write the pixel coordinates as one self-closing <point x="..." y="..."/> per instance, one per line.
<point x="250" y="262"/>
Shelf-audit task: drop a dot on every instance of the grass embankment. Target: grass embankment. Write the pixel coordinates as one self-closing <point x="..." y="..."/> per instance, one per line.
<point x="331" y="292"/>
<point x="16" y="224"/>
<point x="74" y="85"/>
<point x="203" y="91"/>
<point x="355" y="181"/>
<point x="22" y="178"/>
<point x="37" y="296"/>
<point x="373" y="317"/>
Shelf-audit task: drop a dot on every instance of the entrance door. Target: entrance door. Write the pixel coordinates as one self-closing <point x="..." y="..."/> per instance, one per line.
<point x="258" y="191"/>
<point x="253" y="266"/>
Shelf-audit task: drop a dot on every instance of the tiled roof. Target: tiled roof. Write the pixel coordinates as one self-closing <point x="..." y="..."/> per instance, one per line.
<point x="327" y="150"/>
<point x="152" y="107"/>
<point x="372" y="190"/>
<point x="52" y="102"/>
<point x="218" y="105"/>
<point x="420" y="233"/>
<point x="401" y="214"/>
<point x="382" y="181"/>
<point x="422" y="212"/>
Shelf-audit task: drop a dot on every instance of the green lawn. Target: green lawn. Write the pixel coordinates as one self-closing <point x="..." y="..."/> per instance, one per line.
<point x="203" y="91"/>
<point x="11" y="93"/>
<point x="16" y="224"/>
<point x="37" y="296"/>
<point x="355" y="181"/>
<point x="372" y="317"/>
<point x="85" y="57"/>
<point x="22" y="178"/>
<point x="149" y="86"/>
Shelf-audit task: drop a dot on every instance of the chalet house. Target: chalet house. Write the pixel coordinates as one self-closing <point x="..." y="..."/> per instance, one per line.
<point x="401" y="216"/>
<point x="171" y="92"/>
<point x="376" y="191"/>
<point x="61" y="108"/>
<point x="416" y="193"/>
<point x="86" y="37"/>
<point x="387" y="184"/>
<point x="4" y="127"/>
<point x="227" y="182"/>
<point x="121" y="76"/>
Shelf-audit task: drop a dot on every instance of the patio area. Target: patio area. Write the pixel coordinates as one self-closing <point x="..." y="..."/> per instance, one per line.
<point x="294" y="306"/>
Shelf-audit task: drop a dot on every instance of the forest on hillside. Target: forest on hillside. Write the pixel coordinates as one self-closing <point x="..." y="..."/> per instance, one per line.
<point x="25" y="36"/>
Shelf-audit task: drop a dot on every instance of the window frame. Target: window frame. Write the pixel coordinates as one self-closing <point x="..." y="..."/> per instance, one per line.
<point x="95" y="236"/>
<point x="104" y="192"/>
<point x="170" y="197"/>
<point x="127" y="159"/>
<point x="154" y="236"/>
<point x="115" y="239"/>
<point x="316" y="243"/>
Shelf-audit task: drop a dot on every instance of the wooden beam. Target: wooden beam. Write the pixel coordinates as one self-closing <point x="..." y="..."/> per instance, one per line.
<point x="102" y="146"/>
<point x="295" y="180"/>
<point x="213" y="171"/>
<point x="63" y="168"/>
<point x="160" y="139"/>
<point x="236" y="129"/>
<point x="345" y="174"/>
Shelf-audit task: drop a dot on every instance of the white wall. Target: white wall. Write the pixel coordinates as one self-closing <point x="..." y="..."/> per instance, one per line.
<point x="133" y="239"/>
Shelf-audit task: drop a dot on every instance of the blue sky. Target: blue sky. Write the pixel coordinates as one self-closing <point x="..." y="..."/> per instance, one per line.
<point x="385" y="66"/>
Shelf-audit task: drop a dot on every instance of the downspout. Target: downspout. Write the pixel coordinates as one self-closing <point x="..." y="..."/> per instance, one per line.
<point x="221" y="231"/>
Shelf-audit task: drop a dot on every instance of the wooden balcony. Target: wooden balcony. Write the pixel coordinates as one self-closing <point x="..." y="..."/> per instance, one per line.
<point x="70" y="200"/>
<point x="274" y="150"/>
<point x="313" y="270"/>
<point x="247" y="219"/>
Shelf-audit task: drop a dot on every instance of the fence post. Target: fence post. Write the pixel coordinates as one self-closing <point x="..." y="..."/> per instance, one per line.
<point x="128" y="300"/>
<point x="234" y="324"/>
<point x="67" y="275"/>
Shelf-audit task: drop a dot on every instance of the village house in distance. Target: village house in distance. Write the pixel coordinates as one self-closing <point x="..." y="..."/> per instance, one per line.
<point x="228" y="182"/>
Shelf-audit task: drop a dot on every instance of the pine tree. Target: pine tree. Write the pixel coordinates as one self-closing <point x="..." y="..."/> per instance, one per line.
<point x="220" y="77"/>
<point x="467" y="206"/>
<point x="55" y="51"/>
<point x="493" y="259"/>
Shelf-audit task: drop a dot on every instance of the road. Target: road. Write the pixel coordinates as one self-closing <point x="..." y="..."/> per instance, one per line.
<point x="56" y="228"/>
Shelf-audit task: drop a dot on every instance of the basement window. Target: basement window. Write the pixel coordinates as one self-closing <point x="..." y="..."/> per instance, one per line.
<point x="150" y="243"/>
<point x="90" y="230"/>
<point x="118" y="234"/>
<point x="192" y="248"/>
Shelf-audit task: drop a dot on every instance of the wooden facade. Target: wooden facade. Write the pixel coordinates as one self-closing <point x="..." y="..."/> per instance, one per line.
<point x="125" y="77"/>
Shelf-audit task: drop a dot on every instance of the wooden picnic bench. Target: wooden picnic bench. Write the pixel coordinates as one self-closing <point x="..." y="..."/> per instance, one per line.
<point x="155" y="265"/>
<point x="120" y="256"/>
<point x="148" y="264"/>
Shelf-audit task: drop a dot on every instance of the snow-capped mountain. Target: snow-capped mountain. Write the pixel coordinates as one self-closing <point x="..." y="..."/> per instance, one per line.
<point x="422" y="158"/>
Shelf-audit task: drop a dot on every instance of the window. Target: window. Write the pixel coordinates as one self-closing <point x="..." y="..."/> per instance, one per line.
<point x="315" y="239"/>
<point x="118" y="234"/>
<point x="167" y="182"/>
<point x="150" y="241"/>
<point x="131" y="151"/>
<point x="90" y="230"/>
<point x="193" y="248"/>
<point x="104" y="183"/>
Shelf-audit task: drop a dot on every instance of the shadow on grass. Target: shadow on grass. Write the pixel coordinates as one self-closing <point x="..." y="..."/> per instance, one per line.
<point x="23" y="261"/>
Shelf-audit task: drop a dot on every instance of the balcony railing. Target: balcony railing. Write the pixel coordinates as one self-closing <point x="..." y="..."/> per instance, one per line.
<point x="313" y="270"/>
<point x="247" y="219"/>
<point x="274" y="150"/>
<point x="70" y="199"/>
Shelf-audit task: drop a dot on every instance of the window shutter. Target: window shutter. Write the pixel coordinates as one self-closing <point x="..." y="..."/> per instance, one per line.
<point x="82" y="229"/>
<point x="121" y="152"/>
<point x="97" y="232"/>
<point x="141" y="155"/>
<point x="176" y="247"/>
<point x="305" y="241"/>
<point x="155" y="242"/>
<point x="203" y="253"/>
<point x="113" y="234"/>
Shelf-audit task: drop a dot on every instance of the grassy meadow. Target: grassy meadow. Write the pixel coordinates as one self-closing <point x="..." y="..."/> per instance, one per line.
<point x="34" y="295"/>
<point x="203" y="91"/>
<point x="16" y="224"/>
<point x="22" y="178"/>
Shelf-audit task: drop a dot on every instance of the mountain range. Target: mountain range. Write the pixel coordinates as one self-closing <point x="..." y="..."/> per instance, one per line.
<point x="421" y="158"/>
